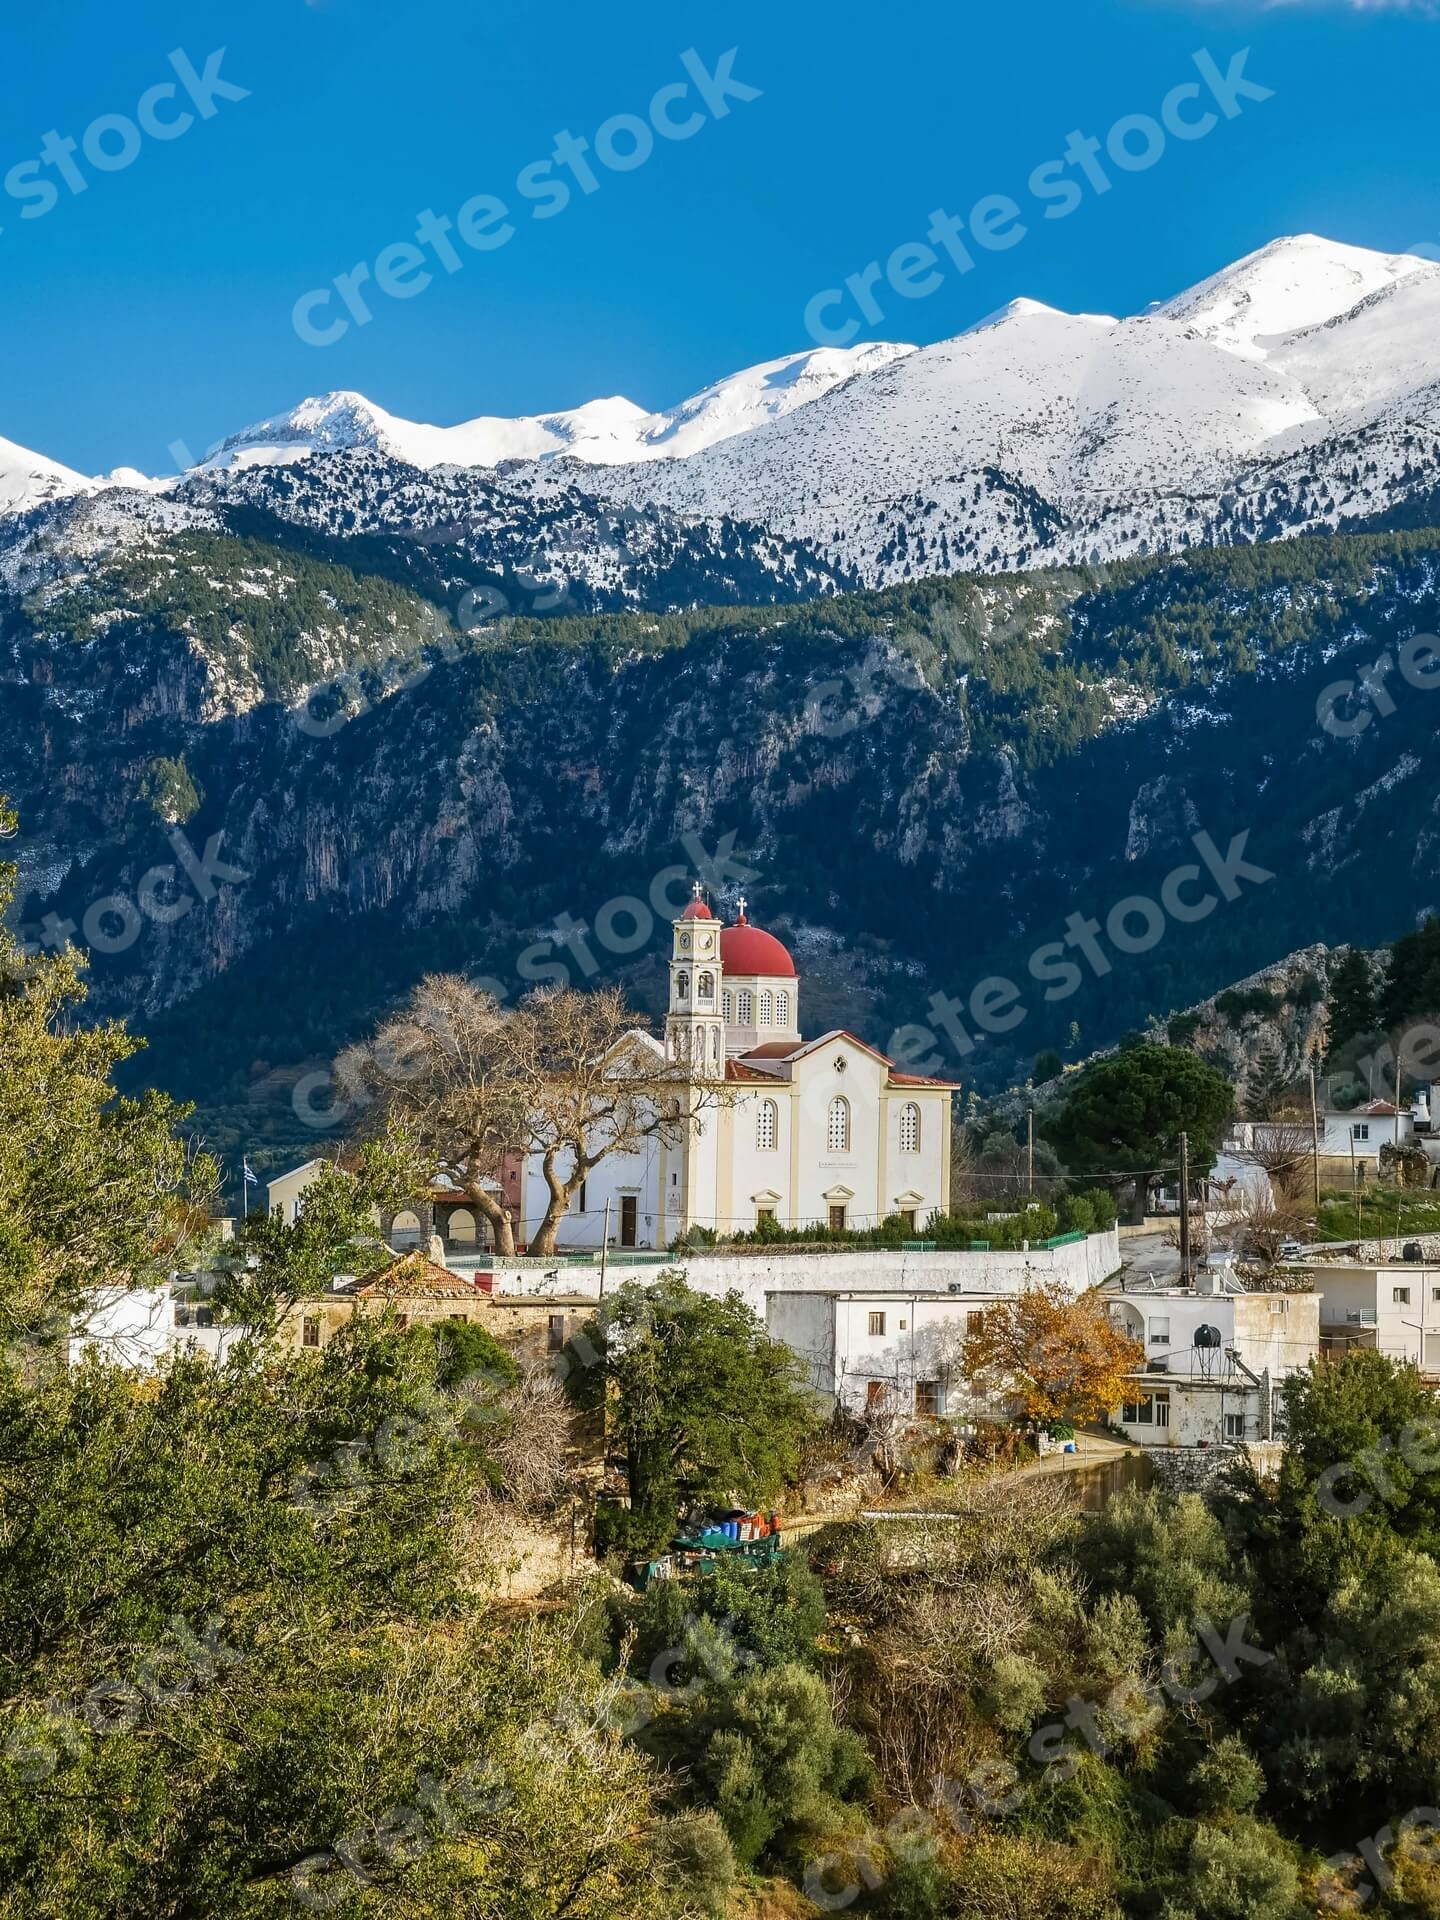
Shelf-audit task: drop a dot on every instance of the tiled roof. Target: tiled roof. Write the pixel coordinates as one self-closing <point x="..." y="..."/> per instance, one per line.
<point x="788" y="1050"/>
<point x="415" y="1276"/>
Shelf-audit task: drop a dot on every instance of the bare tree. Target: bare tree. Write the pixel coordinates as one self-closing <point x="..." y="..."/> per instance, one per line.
<point x="1283" y="1147"/>
<point x="531" y="1450"/>
<point x="439" y="1070"/>
<point x="1259" y="1225"/>
<point x="594" y="1085"/>
<point x="964" y="1186"/>
<point x="568" y="1077"/>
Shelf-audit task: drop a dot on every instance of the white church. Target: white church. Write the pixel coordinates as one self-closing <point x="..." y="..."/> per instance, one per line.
<point x="826" y="1130"/>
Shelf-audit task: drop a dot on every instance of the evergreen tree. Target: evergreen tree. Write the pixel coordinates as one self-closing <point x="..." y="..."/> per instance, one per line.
<point x="1123" y="1121"/>
<point x="702" y="1400"/>
<point x="1412" y="989"/>
<point x="1354" y="1003"/>
<point x="1266" y="1085"/>
<point x="247" y="1658"/>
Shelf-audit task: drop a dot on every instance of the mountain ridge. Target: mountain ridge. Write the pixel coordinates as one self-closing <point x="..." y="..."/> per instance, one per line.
<point x="1296" y="390"/>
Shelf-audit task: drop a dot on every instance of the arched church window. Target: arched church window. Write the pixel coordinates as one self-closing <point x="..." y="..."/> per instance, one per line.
<point x="837" y="1138"/>
<point x="715" y="1046"/>
<point x="767" y="1008"/>
<point x="706" y="989"/>
<point x="782" y="1009"/>
<point x="767" y="1126"/>
<point x="727" y="1000"/>
<point x="910" y="1129"/>
<point x="682" y="987"/>
<point x="747" y="1009"/>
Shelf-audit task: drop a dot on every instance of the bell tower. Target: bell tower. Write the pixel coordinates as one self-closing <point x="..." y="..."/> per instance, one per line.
<point x="694" y="1029"/>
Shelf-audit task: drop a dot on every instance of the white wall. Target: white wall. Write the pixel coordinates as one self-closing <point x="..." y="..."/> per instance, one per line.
<point x="1197" y="1412"/>
<point x="1397" y="1326"/>
<point x="128" y="1325"/>
<point x="1079" y="1265"/>
<point x="135" y="1327"/>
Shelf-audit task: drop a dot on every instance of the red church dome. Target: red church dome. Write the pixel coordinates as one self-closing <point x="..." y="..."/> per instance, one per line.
<point x="697" y="910"/>
<point x="746" y="950"/>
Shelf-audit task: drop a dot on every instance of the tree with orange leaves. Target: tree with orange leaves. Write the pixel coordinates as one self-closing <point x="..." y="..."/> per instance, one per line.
<point x="1061" y="1358"/>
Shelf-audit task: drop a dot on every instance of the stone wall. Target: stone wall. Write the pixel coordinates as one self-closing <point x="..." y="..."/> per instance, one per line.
<point x="1195" y="1469"/>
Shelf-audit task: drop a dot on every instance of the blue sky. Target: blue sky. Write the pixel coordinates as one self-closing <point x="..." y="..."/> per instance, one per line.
<point x="156" y="305"/>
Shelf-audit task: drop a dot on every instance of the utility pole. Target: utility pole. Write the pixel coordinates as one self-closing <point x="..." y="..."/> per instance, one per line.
<point x="604" y="1248"/>
<point x="1030" y="1151"/>
<point x="1315" y="1140"/>
<point x="1184" y="1210"/>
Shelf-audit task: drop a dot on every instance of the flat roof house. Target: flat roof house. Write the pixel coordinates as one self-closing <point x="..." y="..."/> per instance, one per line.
<point x="1214" y="1355"/>
<point x="1394" y="1308"/>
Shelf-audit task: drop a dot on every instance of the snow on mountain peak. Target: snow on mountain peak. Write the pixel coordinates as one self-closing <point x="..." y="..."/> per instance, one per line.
<point x="29" y="479"/>
<point x="608" y="432"/>
<point x="1296" y="282"/>
<point x="1298" y="387"/>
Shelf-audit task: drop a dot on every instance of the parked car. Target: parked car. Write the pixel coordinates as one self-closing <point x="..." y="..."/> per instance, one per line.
<point x="1290" y="1249"/>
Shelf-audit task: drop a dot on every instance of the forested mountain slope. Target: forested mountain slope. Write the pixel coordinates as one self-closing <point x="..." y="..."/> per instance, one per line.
<point x="924" y="783"/>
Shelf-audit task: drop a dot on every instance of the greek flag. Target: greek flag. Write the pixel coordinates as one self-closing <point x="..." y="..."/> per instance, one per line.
<point x="252" y="1179"/>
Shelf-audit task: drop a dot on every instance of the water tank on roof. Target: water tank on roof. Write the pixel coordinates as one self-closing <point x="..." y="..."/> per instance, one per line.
<point x="1207" y="1336"/>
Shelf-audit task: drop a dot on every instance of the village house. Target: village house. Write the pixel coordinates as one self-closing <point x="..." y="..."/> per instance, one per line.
<point x="1349" y="1141"/>
<point x="878" y="1347"/>
<point x="1215" y="1354"/>
<point x="1391" y="1307"/>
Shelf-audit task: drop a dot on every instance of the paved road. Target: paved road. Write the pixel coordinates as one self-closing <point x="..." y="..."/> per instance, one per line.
<point x="1147" y="1253"/>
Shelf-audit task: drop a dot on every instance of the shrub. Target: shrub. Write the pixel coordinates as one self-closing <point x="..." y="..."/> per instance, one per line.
<point x="1090" y="1212"/>
<point x="1227" y="1778"/>
<point x="777" y="1762"/>
<point x="465" y="1348"/>
<point x="1238" y="1873"/>
<point x="775" y="1614"/>
<point x="697" y="1850"/>
<point x="1236" y="1002"/>
<point x="1001" y="1876"/>
<point x="620" y="1530"/>
<point x="918" y="1889"/>
<point x="1170" y="1553"/>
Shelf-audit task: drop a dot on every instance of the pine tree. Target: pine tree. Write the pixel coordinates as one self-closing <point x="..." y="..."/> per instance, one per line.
<point x="1354" y="1003"/>
<point x="1266" y="1085"/>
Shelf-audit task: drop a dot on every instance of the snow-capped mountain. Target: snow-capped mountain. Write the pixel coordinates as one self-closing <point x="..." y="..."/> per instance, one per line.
<point x="29" y="479"/>
<point x="601" y="433"/>
<point x="1298" y="386"/>
<point x="1297" y="389"/>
